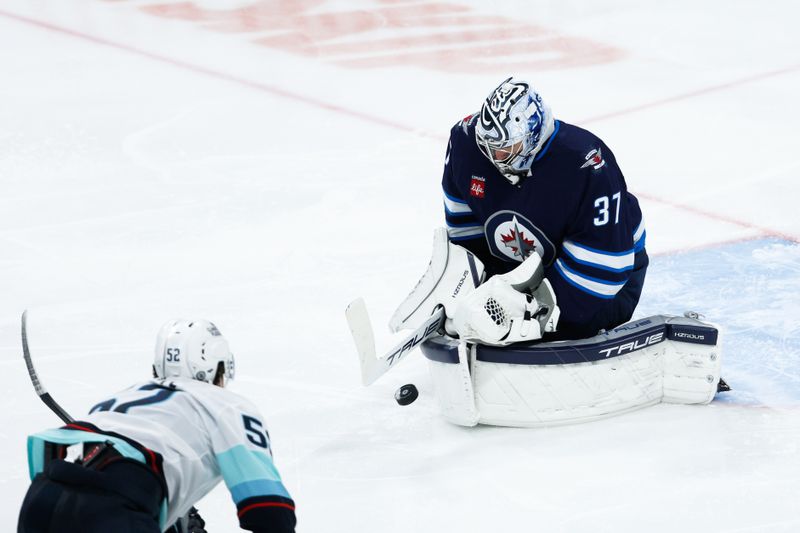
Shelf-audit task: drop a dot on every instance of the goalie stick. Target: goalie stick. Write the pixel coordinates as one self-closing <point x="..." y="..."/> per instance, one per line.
<point x="40" y="390"/>
<point x="361" y="327"/>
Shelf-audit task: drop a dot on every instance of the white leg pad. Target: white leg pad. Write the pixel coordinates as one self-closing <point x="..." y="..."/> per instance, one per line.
<point x="658" y="359"/>
<point x="691" y="372"/>
<point x="454" y="389"/>
<point x="546" y="395"/>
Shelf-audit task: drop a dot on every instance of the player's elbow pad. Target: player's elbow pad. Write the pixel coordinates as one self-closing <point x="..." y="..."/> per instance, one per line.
<point x="274" y="516"/>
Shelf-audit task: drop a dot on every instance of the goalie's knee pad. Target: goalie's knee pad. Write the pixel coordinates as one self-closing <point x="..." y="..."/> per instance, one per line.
<point x="453" y="272"/>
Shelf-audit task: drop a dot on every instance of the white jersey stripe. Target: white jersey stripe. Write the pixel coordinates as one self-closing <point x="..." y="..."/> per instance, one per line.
<point x="619" y="262"/>
<point x="455" y="232"/>
<point x="456" y="207"/>
<point x="637" y="234"/>
<point x="594" y="286"/>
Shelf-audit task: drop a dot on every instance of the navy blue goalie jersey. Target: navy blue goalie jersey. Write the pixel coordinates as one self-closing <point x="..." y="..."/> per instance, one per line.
<point x="575" y="211"/>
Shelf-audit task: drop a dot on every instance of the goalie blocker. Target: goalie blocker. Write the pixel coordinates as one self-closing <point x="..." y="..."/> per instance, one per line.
<point x="518" y="306"/>
<point x="657" y="359"/>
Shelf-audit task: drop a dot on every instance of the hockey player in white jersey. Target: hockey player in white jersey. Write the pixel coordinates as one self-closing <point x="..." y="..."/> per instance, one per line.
<point x="150" y="452"/>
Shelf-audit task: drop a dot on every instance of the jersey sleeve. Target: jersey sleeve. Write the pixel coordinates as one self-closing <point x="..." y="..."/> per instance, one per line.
<point x="462" y="224"/>
<point x="599" y="248"/>
<point x="241" y="445"/>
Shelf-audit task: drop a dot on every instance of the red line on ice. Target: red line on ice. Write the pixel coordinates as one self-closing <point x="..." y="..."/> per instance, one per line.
<point x="705" y="246"/>
<point x="721" y="218"/>
<point x="692" y="94"/>
<point x="276" y="91"/>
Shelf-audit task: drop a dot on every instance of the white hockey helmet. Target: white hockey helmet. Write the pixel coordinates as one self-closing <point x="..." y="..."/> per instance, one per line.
<point x="192" y="349"/>
<point x="513" y="125"/>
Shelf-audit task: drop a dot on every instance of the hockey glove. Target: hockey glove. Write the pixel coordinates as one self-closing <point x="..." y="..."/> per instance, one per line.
<point x="192" y="522"/>
<point x="497" y="314"/>
<point x="452" y="273"/>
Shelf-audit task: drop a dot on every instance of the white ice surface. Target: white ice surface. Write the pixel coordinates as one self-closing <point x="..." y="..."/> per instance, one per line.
<point x="154" y="167"/>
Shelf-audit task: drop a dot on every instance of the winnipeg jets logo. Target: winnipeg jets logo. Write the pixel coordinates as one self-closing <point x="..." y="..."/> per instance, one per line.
<point x="594" y="159"/>
<point x="512" y="237"/>
<point x="520" y="245"/>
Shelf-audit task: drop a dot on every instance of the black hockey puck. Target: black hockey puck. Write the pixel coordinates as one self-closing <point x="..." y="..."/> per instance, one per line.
<point x="406" y="394"/>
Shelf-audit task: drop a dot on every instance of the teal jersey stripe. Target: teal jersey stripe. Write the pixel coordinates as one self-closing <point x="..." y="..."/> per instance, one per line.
<point x="248" y="472"/>
<point x="260" y="487"/>
<point x="69" y="437"/>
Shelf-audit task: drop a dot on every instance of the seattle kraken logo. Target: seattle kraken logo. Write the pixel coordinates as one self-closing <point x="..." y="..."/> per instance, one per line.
<point x="513" y="237"/>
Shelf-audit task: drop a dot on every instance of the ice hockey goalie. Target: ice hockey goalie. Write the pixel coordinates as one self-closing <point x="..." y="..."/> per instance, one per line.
<point x="496" y="366"/>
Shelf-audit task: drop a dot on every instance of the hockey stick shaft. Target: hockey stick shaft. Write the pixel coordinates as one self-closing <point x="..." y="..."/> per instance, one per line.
<point x="37" y="384"/>
<point x="361" y="328"/>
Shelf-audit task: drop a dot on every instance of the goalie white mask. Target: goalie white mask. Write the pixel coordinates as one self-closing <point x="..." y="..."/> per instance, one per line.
<point x="513" y="126"/>
<point x="192" y="349"/>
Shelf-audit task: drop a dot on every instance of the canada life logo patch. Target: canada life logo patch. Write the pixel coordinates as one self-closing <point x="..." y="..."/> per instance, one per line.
<point x="513" y="237"/>
<point x="477" y="187"/>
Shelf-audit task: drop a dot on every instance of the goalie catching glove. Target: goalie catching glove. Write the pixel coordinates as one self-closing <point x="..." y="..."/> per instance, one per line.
<point x="518" y="306"/>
